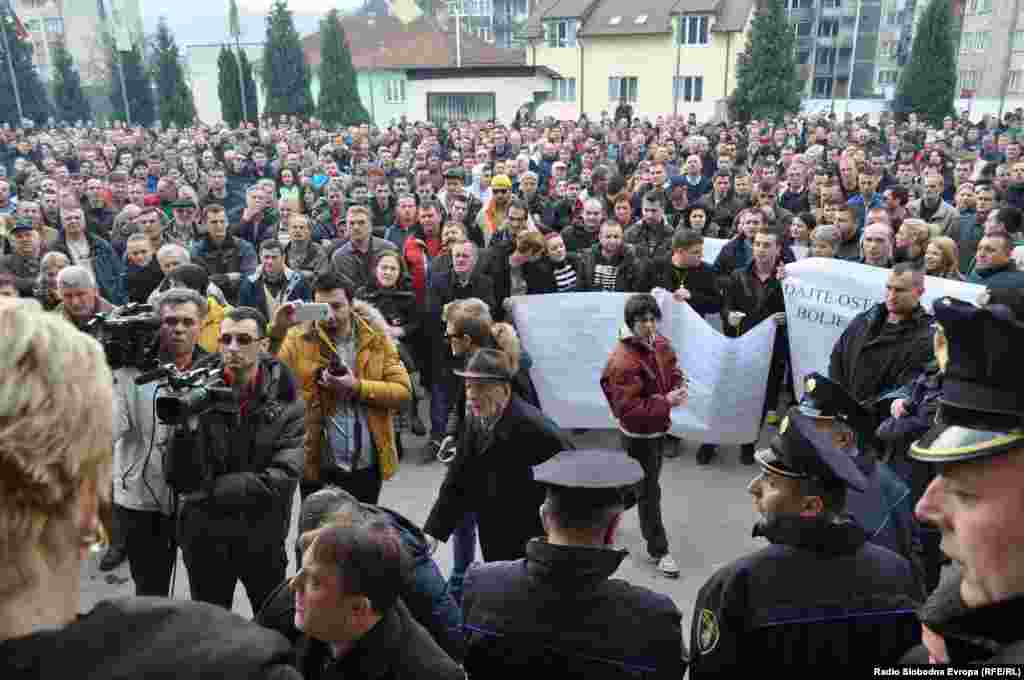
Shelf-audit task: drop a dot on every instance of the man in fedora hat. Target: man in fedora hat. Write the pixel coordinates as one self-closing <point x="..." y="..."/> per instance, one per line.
<point x="491" y="473"/>
<point x="821" y="593"/>
<point x="975" y="500"/>
<point x="557" y="603"/>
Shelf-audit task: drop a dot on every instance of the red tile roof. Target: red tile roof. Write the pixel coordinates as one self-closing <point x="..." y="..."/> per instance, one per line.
<point x="385" y="42"/>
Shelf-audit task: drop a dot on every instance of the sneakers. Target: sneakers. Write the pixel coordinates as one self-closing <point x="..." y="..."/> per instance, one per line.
<point x="666" y="565"/>
<point x="747" y="454"/>
<point x="705" y="453"/>
<point x="772" y="418"/>
<point x="672" y="447"/>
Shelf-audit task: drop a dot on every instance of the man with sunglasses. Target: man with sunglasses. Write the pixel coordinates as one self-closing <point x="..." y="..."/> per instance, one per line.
<point x="143" y="511"/>
<point x="250" y="455"/>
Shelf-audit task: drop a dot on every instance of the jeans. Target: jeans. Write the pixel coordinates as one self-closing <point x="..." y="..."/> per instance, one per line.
<point x="440" y="403"/>
<point x="463" y="553"/>
<point x="647" y="452"/>
<point x="152" y="549"/>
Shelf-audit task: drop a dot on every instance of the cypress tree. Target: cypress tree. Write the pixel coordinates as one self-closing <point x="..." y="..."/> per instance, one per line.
<point x="767" y="84"/>
<point x="252" y="103"/>
<point x="71" y="102"/>
<point x="174" y="101"/>
<point x="285" y="72"/>
<point x="339" y="96"/>
<point x="137" y="84"/>
<point x="928" y="83"/>
<point x="227" y="87"/>
<point x="35" y="104"/>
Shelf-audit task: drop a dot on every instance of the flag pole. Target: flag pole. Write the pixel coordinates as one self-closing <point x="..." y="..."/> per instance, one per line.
<point x="10" y="61"/>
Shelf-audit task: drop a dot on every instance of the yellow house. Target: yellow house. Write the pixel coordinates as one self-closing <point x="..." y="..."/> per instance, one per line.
<point x="661" y="56"/>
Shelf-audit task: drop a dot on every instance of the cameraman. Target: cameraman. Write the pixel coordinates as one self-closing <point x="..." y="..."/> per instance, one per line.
<point x="250" y="454"/>
<point x="142" y="499"/>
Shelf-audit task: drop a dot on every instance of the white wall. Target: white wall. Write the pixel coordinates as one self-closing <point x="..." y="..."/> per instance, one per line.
<point x="509" y="93"/>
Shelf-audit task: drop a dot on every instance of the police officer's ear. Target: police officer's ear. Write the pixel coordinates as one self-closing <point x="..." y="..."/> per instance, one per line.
<point x="843" y="439"/>
<point x="812" y="506"/>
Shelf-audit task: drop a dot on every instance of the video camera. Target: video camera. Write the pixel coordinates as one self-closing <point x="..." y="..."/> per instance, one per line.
<point x="190" y="393"/>
<point x="128" y="335"/>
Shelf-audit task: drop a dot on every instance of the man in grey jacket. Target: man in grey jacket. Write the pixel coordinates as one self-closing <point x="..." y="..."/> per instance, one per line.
<point x="142" y="499"/>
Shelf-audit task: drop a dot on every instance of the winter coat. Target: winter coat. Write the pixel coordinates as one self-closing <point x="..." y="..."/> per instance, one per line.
<point x="253" y="294"/>
<point x="869" y="364"/>
<point x="629" y="278"/>
<point x="148" y="637"/>
<point x="636" y="380"/>
<point x="383" y="385"/>
<point x="701" y="281"/>
<point x="650" y="242"/>
<point x="233" y="255"/>
<point x="946" y="215"/>
<point x="106" y="266"/>
<point x="492" y="475"/>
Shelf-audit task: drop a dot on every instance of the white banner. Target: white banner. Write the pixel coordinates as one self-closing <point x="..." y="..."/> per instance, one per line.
<point x="570" y="336"/>
<point x="823" y="296"/>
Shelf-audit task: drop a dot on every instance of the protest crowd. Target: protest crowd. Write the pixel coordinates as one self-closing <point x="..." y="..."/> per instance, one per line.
<point x="197" y="323"/>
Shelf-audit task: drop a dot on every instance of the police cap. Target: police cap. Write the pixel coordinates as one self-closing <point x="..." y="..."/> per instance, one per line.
<point x="801" y="451"/>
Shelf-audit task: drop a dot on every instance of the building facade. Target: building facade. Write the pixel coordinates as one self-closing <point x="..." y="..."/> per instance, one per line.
<point x="77" y="23"/>
<point x="660" y="58"/>
<point x="991" y="56"/>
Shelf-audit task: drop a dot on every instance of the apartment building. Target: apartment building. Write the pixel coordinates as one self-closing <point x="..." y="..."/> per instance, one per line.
<point x="661" y="57"/>
<point x="990" y="76"/>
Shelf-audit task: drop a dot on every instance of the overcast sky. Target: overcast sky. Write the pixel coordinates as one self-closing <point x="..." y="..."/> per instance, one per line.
<point x="205" y="21"/>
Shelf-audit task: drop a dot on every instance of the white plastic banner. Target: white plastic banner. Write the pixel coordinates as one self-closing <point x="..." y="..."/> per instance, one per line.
<point x="570" y="336"/>
<point x="823" y="296"/>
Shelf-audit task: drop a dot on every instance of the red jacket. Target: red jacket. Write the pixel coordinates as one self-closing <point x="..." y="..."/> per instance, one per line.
<point x="418" y="252"/>
<point x="635" y="381"/>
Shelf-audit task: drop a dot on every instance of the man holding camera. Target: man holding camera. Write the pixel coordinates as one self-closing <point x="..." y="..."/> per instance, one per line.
<point x="143" y="507"/>
<point x="353" y="381"/>
<point x="249" y="454"/>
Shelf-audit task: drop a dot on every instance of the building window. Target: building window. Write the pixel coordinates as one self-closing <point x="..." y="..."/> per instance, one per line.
<point x="803" y="28"/>
<point x="822" y="87"/>
<point x="1016" y="81"/>
<point x="689" y="88"/>
<point x="803" y="56"/>
<point x="693" y="30"/>
<point x="39" y="52"/>
<point x="825" y="56"/>
<point x="887" y="77"/>
<point x="1018" y="41"/>
<point x="624" y="87"/>
<point x="966" y="42"/>
<point x="615" y="21"/>
<point x="984" y="40"/>
<point x="799" y="4"/>
<point x="565" y="90"/>
<point x="640" y="19"/>
<point x="828" y="28"/>
<point x="984" y="6"/>
<point x="968" y="80"/>
<point x="485" y="33"/>
<point x="395" y="91"/>
<point x="560" y="33"/>
<point x="445" y="107"/>
<point x="33" y="25"/>
<point x="831" y="4"/>
<point x="55" y="25"/>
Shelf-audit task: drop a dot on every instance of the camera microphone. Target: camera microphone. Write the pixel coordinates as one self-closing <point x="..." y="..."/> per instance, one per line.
<point x="155" y="374"/>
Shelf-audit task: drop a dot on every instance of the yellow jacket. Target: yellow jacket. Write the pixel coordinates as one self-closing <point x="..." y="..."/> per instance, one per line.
<point x="383" y="384"/>
<point x="209" y="335"/>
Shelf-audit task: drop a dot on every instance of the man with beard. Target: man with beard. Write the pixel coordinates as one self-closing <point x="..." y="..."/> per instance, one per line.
<point x="803" y="601"/>
<point x="610" y="264"/>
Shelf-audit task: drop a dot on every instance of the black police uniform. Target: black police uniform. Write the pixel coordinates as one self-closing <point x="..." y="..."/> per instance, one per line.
<point x="981" y="414"/>
<point x="820" y="595"/>
<point x="884" y="508"/>
<point x="557" y="613"/>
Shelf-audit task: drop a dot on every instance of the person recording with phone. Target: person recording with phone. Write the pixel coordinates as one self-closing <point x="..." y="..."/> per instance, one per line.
<point x="246" y="448"/>
<point x="352" y="379"/>
<point x="143" y="507"/>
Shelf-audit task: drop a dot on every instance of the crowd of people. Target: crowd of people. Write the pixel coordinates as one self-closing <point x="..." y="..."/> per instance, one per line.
<point x="333" y="280"/>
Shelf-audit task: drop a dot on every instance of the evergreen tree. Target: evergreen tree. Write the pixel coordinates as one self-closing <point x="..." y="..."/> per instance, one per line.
<point x="928" y="83"/>
<point x="339" y="96"/>
<point x="71" y="102"/>
<point x="285" y="72"/>
<point x="174" y="97"/>
<point x="35" y="104"/>
<point x="252" y="103"/>
<point x="227" y="87"/>
<point x="137" y="84"/>
<point x="767" y="84"/>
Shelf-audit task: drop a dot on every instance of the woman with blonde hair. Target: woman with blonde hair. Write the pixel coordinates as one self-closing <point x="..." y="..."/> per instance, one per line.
<point x="56" y="425"/>
<point x="942" y="258"/>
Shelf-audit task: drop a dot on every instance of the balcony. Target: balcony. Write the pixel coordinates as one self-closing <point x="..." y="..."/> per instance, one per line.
<point x="847" y="10"/>
<point x="801" y="14"/>
<point x="841" y="40"/>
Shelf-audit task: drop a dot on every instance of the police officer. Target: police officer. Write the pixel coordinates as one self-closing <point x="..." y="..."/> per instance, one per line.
<point x="557" y="613"/>
<point x="975" y="500"/>
<point x="885" y="507"/>
<point x="821" y="594"/>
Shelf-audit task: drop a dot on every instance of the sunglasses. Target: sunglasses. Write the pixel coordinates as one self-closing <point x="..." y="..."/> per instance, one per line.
<point x="500" y="191"/>
<point x="244" y="339"/>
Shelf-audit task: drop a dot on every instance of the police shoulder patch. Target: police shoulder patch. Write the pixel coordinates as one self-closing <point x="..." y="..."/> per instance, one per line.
<point x="709" y="631"/>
